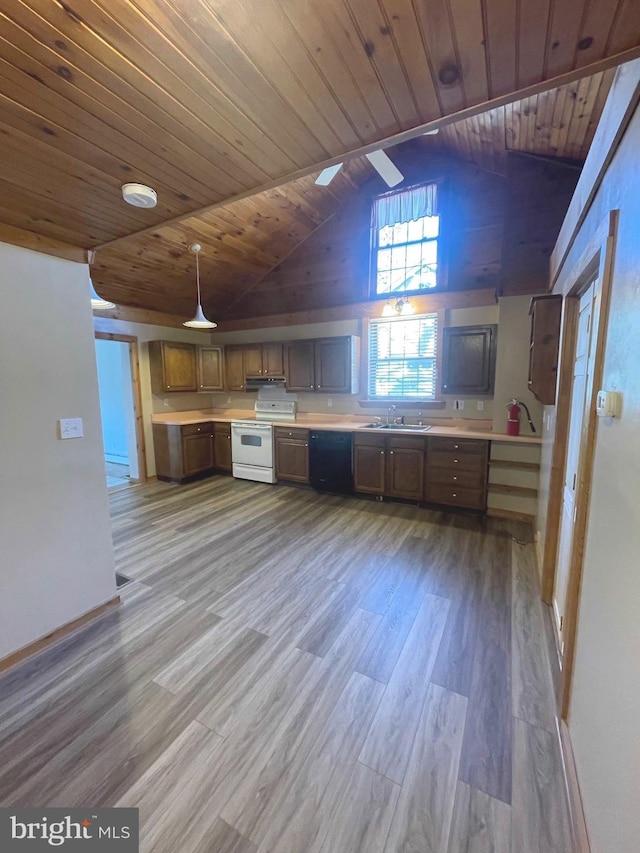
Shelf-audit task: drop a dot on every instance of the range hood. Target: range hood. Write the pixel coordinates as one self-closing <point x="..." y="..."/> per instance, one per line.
<point x="255" y="383"/>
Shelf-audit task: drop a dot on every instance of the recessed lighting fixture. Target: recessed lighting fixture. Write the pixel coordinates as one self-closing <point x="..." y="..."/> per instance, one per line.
<point x="139" y="195"/>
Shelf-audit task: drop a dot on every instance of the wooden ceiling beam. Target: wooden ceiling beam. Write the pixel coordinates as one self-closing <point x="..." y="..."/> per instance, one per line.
<point x="38" y="243"/>
<point x="530" y="91"/>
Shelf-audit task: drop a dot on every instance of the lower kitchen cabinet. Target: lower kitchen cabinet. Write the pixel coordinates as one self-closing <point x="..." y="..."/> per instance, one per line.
<point x="183" y="451"/>
<point x="191" y="450"/>
<point x="222" y="446"/>
<point x="457" y="472"/>
<point x="405" y="467"/>
<point x="389" y="465"/>
<point x="292" y="454"/>
<point x="197" y="453"/>
<point x="369" y="463"/>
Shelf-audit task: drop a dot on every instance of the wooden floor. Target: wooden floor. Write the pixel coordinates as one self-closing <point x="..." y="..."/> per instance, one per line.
<point x="300" y="673"/>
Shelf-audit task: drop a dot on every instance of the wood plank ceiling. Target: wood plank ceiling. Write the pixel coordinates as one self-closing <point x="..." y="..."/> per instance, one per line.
<point x="208" y="100"/>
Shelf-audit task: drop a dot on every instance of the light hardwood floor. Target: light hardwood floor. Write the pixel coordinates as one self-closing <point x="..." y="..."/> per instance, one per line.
<point x="300" y="673"/>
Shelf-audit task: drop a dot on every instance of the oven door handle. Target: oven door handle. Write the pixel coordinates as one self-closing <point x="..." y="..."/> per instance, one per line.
<point x="248" y="430"/>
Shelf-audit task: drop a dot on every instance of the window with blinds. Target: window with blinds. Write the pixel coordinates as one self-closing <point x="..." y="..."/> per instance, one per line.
<point x="402" y="357"/>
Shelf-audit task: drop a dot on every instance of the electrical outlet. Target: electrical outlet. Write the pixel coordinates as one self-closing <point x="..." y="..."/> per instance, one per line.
<point x="459" y="405"/>
<point x="70" y="428"/>
<point x="330" y="402"/>
<point x="166" y="401"/>
<point x="480" y="405"/>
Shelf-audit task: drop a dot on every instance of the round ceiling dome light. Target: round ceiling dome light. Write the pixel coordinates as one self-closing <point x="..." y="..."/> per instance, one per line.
<point x="139" y="195"/>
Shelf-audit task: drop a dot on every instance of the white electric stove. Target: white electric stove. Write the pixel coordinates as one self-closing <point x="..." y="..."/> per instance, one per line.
<point x="252" y="450"/>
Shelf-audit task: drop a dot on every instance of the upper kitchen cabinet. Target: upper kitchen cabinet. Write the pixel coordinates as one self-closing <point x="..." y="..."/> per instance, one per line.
<point x="210" y="372"/>
<point x="299" y="366"/>
<point x="234" y="368"/>
<point x="173" y="366"/>
<point x="272" y="360"/>
<point x="546" y="314"/>
<point x="263" y="360"/>
<point x="328" y="365"/>
<point x="469" y="359"/>
<point x="252" y="360"/>
<point x="336" y="364"/>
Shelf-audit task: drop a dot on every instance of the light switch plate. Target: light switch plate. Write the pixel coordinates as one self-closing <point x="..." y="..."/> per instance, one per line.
<point x="70" y="428"/>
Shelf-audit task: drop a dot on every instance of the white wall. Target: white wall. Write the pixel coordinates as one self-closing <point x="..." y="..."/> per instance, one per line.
<point x="56" y="558"/>
<point x="604" y="720"/>
<point x="112" y="387"/>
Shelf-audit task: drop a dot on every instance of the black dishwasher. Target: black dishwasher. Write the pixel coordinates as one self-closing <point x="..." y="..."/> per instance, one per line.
<point x="330" y="468"/>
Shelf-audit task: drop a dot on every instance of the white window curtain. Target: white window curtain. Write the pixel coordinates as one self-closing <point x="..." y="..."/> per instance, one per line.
<point x="405" y="206"/>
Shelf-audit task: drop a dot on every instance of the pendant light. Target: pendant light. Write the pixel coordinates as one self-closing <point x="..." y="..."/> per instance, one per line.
<point x="97" y="302"/>
<point x="199" y="321"/>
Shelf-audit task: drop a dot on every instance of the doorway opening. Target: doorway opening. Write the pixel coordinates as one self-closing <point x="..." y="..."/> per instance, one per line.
<point x="120" y="410"/>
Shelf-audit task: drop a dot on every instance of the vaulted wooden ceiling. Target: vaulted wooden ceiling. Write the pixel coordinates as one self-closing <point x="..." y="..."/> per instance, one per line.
<point x="214" y="100"/>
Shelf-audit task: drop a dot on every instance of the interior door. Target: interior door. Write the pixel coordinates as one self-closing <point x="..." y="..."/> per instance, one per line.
<point x="583" y="364"/>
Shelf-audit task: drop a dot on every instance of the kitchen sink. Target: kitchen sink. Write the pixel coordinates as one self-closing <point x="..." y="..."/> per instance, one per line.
<point x="398" y="427"/>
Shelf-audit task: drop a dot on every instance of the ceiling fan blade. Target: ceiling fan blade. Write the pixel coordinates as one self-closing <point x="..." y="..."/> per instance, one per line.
<point x="385" y="168"/>
<point x="327" y="175"/>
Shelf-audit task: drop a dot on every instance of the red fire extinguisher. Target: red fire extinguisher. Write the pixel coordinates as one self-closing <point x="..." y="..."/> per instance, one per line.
<point x="513" y="417"/>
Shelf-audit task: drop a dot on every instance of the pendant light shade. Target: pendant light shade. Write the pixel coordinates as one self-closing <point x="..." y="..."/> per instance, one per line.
<point x="97" y="302"/>
<point x="199" y="321"/>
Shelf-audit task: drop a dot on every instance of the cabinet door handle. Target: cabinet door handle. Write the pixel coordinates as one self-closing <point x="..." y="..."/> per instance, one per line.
<point x="455" y="478"/>
<point x="310" y="386"/>
<point x="382" y="453"/>
<point x="391" y="452"/>
<point x="454" y="495"/>
<point x="456" y="446"/>
<point x="455" y="460"/>
<point x="306" y="445"/>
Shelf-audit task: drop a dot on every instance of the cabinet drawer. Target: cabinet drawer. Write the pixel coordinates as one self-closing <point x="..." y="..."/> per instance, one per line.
<point x="471" y="447"/>
<point x="369" y="439"/>
<point x="453" y="496"/>
<point x="197" y="429"/>
<point x="406" y="442"/>
<point x="222" y="428"/>
<point x="286" y="432"/>
<point x="455" y="477"/>
<point x="457" y="461"/>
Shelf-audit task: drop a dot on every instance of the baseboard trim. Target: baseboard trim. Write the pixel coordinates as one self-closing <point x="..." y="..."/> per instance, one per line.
<point x="579" y="834"/>
<point x="496" y="512"/>
<point x="43" y="643"/>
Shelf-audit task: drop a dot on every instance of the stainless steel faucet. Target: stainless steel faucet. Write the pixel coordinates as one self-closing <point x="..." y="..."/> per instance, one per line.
<point x="392" y="408"/>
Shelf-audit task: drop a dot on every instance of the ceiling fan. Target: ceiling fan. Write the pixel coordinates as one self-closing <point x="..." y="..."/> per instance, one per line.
<point x="380" y="162"/>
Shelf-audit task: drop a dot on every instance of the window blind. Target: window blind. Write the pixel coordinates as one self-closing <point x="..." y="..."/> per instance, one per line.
<point x="402" y="357"/>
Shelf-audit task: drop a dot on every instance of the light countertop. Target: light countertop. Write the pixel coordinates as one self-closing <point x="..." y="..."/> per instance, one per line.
<point x="458" y="429"/>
